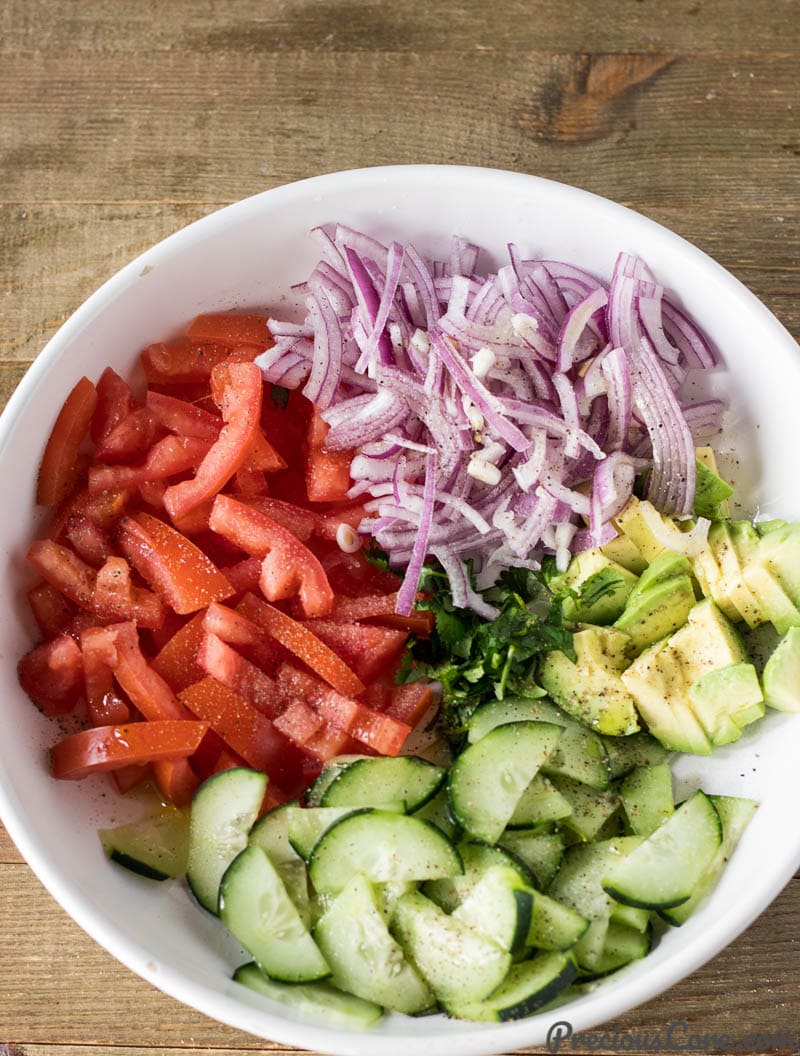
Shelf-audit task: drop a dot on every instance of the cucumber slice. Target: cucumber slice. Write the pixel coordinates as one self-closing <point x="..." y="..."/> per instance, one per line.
<point x="622" y="945"/>
<point x="364" y="958"/>
<point x="437" y="812"/>
<point x="664" y="871"/>
<point x="591" y="809"/>
<point x="540" y="851"/>
<point x="385" y="847"/>
<point x="271" y="833"/>
<point x="528" y="987"/>
<point x="541" y="801"/>
<point x="458" y="963"/>
<point x="384" y="782"/>
<point x="646" y="795"/>
<point x="223" y="811"/>
<point x="554" y="926"/>
<point x="488" y="778"/>
<point x="735" y="814"/>
<point x="631" y="916"/>
<point x="305" y="825"/>
<point x="255" y="907"/>
<point x="156" y="847"/>
<point x="494" y="713"/>
<point x="637" y="749"/>
<point x="477" y="858"/>
<point x="319" y="1000"/>
<point x="331" y="770"/>
<point x="500" y="907"/>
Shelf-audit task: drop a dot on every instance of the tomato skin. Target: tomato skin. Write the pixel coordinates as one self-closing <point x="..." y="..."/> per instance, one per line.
<point x="409" y="703"/>
<point x="105" y="748"/>
<point x="50" y="609"/>
<point x="235" y="628"/>
<point x="115" y="400"/>
<point x="301" y="523"/>
<point x="146" y="689"/>
<point x="182" y="417"/>
<point x="241" y="409"/>
<point x="176" y="780"/>
<point x="166" y="458"/>
<point x="246" y="731"/>
<point x="305" y="645"/>
<point x="177" y="570"/>
<point x="222" y="662"/>
<point x="327" y="472"/>
<point x="52" y="675"/>
<point x="59" y="471"/>
<point x="369" y="651"/>
<point x="176" y="662"/>
<point x="288" y="567"/>
<point x="232" y="329"/>
<point x="380" y="608"/>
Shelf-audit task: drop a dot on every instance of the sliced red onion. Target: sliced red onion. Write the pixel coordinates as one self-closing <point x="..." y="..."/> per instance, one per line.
<point x="617" y="373"/>
<point x="705" y="418"/>
<point x="574" y="326"/>
<point x="680" y="329"/>
<point x="326" y="366"/>
<point x="585" y="539"/>
<point x="372" y="419"/>
<point x="612" y="488"/>
<point x="464" y="597"/>
<point x="407" y="594"/>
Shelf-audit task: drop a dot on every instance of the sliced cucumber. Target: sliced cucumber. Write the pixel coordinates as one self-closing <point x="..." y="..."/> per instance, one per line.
<point x="631" y="916"/>
<point x="459" y="964"/>
<point x="477" y="857"/>
<point x="384" y="782"/>
<point x="329" y="773"/>
<point x="637" y="749"/>
<point x="383" y="846"/>
<point x="437" y="812"/>
<point x="528" y="987"/>
<point x="271" y="833"/>
<point x="487" y="780"/>
<point x="156" y="847"/>
<point x="735" y="814"/>
<point x="664" y="871"/>
<point x="320" y="1000"/>
<point x="541" y="801"/>
<point x="554" y="926"/>
<point x="364" y="958"/>
<point x="494" y="713"/>
<point x="540" y="851"/>
<point x="255" y="907"/>
<point x="591" y="809"/>
<point x="646" y="795"/>
<point x="500" y="907"/>
<point x="223" y="811"/>
<point x="622" y="945"/>
<point x="305" y="825"/>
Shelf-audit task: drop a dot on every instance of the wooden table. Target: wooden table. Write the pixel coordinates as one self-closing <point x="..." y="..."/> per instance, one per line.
<point x="124" y="121"/>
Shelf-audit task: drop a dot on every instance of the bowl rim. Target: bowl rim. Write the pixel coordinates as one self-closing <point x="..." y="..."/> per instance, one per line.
<point x="583" y="1013"/>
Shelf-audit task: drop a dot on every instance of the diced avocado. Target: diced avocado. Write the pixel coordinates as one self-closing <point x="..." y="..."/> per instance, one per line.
<point x="632" y="523"/>
<point x="711" y="491"/>
<point x="591" y="689"/>
<point x="780" y="550"/>
<point x="657" y="682"/>
<point x="765" y="527"/>
<point x="782" y="673"/>
<point x="727" y="700"/>
<point x="707" y="642"/>
<point x="666" y="566"/>
<point x="712" y="583"/>
<point x="626" y="553"/>
<point x="602" y="586"/>
<point x="723" y="544"/>
<point x="658" y="611"/>
<point x="774" y="603"/>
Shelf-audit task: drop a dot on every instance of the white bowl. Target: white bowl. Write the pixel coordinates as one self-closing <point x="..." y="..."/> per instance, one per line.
<point x="248" y="255"/>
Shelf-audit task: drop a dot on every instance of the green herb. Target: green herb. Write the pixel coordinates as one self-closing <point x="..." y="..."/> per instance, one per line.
<point x="477" y="659"/>
<point x="279" y="395"/>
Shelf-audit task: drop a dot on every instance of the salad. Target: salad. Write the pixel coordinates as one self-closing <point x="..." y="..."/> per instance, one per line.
<point x="402" y="608"/>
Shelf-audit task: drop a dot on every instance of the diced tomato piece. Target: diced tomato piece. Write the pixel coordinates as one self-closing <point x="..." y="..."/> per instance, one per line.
<point x="151" y="493"/>
<point x="177" y="570"/>
<point x="229" y="328"/>
<point x="305" y="645"/>
<point x="116" y="598"/>
<point x="176" y="780"/>
<point x="241" y="408"/>
<point x="183" y="418"/>
<point x="244" y="575"/>
<point x="115" y="400"/>
<point x="146" y="689"/>
<point x="327" y="472"/>
<point x="246" y="731"/>
<point x="352" y="576"/>
<point x="378" y="694"/>
<point x="111" y="747"/>
<point x="410" y="703"/>
<point x="99" y="653"/>
<point x="288" y="567"/>
<point x="154" y="639"/>
<point x="369" y="651"/>
<point x="130" y="439"/>
<point x="301" y="523"/>
<point x="298" y="722"/>
<point x="222" y="662"/>
<point x="384" y="733"/>
<point x="50" y="609"/>
<point x="166" y="458"/>
<point x="330" y="522"/>
<point x="250" y="483"/>
<point x="380" y="607"/>
<point x="211" y="748"/>
<point x="263" y="455"/>
<point x="329" y="742"/>
<point x="177" y="660"/>
<point x="236" y="629"/>
<point x="59" y="472"/>
<point x="104" y="509"/>
<point x="89" y="540"/>
<point x="182" y="362"/>
<point x="285" y="425"/>
<point x="129" y="777"/>
<point x="228" y="760"/>
<point x="52" y="675"/>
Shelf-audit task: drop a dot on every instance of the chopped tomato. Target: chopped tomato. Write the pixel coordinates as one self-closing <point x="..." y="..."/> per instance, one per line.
<point x="182" y="361"/>
<point x="301" y="523"/>
<point x="166" y="458"/>
<point x="52" y="675"/>
<point x="229" y="328"/>
<point x="241" y="407"/>
<point x="228" y="760"/>
<point x="384" y="733"/>
<point x="244" y="575"/>
<point x="129" y="777"/>
<point x="177" y="570"/>
<point x="380" y="607"/>
<point x="286" y="425"/>
<point x="99" y="653"/>
<point x="176" y="780"/>
<point x="222" y="662"/>
<point x="299" y="722"/>
<point x="250" y="483"/>
<point x="235" y="628"/>
<point x="327" y="472"/>
<point x="410" y="703"/>
<point x="50" y="609"/>
<point x="115" y="400"/>
<point x="146" y="689"/>
<point x="304" y="644"/>
<point x="111" y="747"/>
<point x="263" y="455"/>
<point x="89" y="540"/>
<point x="288" y="567"/>
<point x="59" y="472"/>
<point x="369" y="651"/>
<point x="246" y="731"/>
<point x="177" y="660"/>
<point x="352" y="576"/>
<point x="183" y="418"/>
<point x="130" y="439"/>
<point x="103" y="508"/>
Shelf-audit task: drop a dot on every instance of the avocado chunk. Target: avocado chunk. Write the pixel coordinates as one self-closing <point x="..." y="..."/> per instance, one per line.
<point x="707" y="642"/>
<point x="711" y="491"/>
<point x="626" y="553"/>
<point x="591" y="689"/>
<point x="782" y="673"/>
<point x="601" y="584"/>
<point x="727" y="700"/>
<point x="712" y="583"/>
<point x="732" y="550"/>
<point x="660" y="603"/>
<point x="779" y="550"/>
<point x="633" y="524"/>
<point x="774" y="603"/>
